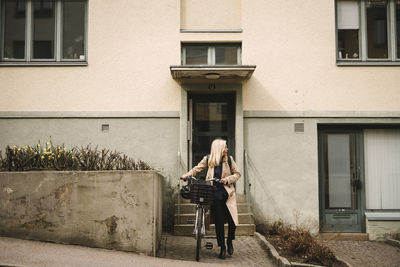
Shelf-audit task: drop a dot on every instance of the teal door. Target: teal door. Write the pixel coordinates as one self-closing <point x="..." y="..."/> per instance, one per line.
<point x="341" y="181"/>
<point x="211" y="116"/>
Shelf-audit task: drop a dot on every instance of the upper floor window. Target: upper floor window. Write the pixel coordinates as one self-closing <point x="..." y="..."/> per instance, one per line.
<point x="43" y="30"/>
<point x="211" y="54"/>
<point x="368" y="31"/>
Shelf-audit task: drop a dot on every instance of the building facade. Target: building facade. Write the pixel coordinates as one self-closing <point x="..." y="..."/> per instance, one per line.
<point x="307" y="94"/>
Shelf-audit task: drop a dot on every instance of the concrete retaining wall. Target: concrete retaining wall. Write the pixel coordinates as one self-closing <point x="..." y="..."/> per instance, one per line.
<point x="109" y="209"/>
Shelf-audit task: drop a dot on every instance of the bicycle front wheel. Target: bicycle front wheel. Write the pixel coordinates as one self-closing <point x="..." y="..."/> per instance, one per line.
<point x="199" y="225"/>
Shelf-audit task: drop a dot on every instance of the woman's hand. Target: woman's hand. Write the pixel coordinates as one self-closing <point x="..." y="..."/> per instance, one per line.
<point x="224" y="180"/>
<point x="184" y="177"/>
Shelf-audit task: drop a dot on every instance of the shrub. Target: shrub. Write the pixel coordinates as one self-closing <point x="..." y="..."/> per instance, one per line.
<point x="299" y="242"/>
<point x="60" y="158"/>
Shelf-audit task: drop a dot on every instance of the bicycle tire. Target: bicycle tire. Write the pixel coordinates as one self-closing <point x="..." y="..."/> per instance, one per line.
<point x="199" y="224"/>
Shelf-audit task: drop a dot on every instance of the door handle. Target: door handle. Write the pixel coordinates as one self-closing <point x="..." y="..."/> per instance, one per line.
<point x="356" y="183"/>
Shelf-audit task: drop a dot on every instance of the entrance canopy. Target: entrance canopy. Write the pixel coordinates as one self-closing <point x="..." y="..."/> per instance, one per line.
<point x="238" y="72"/>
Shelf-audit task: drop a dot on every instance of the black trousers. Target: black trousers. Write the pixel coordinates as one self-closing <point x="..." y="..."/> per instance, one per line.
<point x="221" y="215"/>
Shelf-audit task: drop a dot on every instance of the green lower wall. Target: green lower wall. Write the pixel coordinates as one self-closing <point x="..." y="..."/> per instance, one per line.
<point x="153" y="140"/>
<point x="282" y="165"/>
<point x="282" y="170"/>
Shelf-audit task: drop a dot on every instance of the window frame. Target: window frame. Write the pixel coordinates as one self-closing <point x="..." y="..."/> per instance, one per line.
<point x="29" y="39"/>
<point x="211" y="52"/>
<point x="393" y="57"/>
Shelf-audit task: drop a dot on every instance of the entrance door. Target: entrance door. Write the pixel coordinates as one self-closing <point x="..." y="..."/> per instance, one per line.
<point x="211" y="116"/>
<point x="340" y="157"/>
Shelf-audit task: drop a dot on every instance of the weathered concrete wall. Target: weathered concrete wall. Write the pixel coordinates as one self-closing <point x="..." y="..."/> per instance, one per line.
<point x="380" y="230"/>
<point x="108" y="209"/>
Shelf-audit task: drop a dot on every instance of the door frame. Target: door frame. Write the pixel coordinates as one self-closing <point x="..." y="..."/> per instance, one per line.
<point x="209" y="88"/>
<point x="359" y="161"/>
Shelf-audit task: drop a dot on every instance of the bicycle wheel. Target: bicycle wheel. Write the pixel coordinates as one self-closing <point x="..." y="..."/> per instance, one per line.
<point x="199" y="224"/>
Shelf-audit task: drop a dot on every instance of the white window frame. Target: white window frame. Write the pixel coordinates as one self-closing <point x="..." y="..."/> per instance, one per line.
<point x="393" y="58"/>
<point x="28" y="60"/>
<point x="211" y="52"/>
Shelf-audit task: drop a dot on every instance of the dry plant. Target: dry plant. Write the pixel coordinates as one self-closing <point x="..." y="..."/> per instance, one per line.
<point x="298" y="242"/>
<point x="56" y="157"/>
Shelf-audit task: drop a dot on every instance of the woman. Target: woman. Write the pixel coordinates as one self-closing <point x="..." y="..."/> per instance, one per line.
<point x="224" y="207"/>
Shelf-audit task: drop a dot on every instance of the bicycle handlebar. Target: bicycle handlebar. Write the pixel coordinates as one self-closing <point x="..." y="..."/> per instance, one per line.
<point x="210" y="180"/>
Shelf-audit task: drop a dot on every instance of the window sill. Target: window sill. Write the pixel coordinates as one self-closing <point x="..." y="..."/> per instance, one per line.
<point x="42" y="64"/>
<point x="368" y="63"/>
<point x="382" y="216"/>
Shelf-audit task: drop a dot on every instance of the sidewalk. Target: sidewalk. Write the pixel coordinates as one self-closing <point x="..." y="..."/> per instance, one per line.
<point x="247" y="251"/>
<point x="17" y="252"/>
<point x="366" y="253"/>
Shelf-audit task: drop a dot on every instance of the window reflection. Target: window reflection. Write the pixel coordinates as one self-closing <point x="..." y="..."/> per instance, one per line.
<point x="398" y="27"/>
<point x="73" y="29"/>
<point x="43" y="29"/>
<point x="14" y="29"/>
<point x="196" y="55"/>
<point x="377" y="29"/>
<point x="226" y="55"/>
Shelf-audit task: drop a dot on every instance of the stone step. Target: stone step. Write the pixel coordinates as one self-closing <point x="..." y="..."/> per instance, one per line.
<point x="187" y="229"/>
<point x="191" y="208"/>
<point x="344" y="236"/>
<point x="244" y="218"/>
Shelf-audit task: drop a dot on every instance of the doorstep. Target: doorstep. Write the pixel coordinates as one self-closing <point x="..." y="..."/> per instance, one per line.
<point x="344" y="236"/>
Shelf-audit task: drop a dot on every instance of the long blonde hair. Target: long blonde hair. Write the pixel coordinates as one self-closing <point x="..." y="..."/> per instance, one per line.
<point x="217" y="152"/>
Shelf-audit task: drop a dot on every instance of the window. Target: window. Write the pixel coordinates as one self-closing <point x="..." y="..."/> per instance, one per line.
<point x="382" y="168"/>
<point x="211" y="54"/>
<point x="37" y="31"/>
<point x="368" y="31"/>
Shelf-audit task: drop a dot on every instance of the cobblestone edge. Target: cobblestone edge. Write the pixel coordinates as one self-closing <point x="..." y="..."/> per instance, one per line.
<point x="277" y="259"/>
<point x="393" y="242"/>
<point x="282" y="261"/>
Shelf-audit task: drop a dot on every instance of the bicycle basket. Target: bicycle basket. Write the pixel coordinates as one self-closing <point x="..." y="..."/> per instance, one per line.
<point x="185" y="192"/>
<point x="202" y="193"/>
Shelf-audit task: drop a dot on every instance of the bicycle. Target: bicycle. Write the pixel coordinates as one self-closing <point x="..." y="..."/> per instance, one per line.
<point x="201" y="193"/>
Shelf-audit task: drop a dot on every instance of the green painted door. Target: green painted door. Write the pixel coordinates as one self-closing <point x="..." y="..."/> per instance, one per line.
<point x="341" y="180"/>
<point x="211" y="116"/>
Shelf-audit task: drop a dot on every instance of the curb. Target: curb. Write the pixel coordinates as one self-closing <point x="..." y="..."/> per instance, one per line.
<point x="277" y="259"/>
<point x="282" y="261"/>
<point x="393" y="242"/>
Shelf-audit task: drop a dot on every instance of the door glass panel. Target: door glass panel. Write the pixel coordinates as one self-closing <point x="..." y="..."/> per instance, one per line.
<point x="14" y="29"/>
<point x="211" y="117"/>
<point x="377" y="29"/>
<point x="339" y="173"/>
<point x="43" y="29"/>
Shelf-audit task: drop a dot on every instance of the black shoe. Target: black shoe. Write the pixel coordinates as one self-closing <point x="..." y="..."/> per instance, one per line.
<point x="222" y="254"/>
<point x="230" y="246"/>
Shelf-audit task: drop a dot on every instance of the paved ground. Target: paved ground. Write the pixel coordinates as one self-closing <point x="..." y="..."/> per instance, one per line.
<point x="247" y="251"/>
<point x="366" y="253"/>
<point x="16" y="252"/>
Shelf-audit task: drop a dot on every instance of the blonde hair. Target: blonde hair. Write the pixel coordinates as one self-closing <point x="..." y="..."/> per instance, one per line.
<point x="217" y="152"/>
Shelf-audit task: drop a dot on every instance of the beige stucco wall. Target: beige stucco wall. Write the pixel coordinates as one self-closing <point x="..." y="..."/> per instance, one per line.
<point x="131" y="45"/>
<point x="293" y="45"/>
<point x="210" y="14"/>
